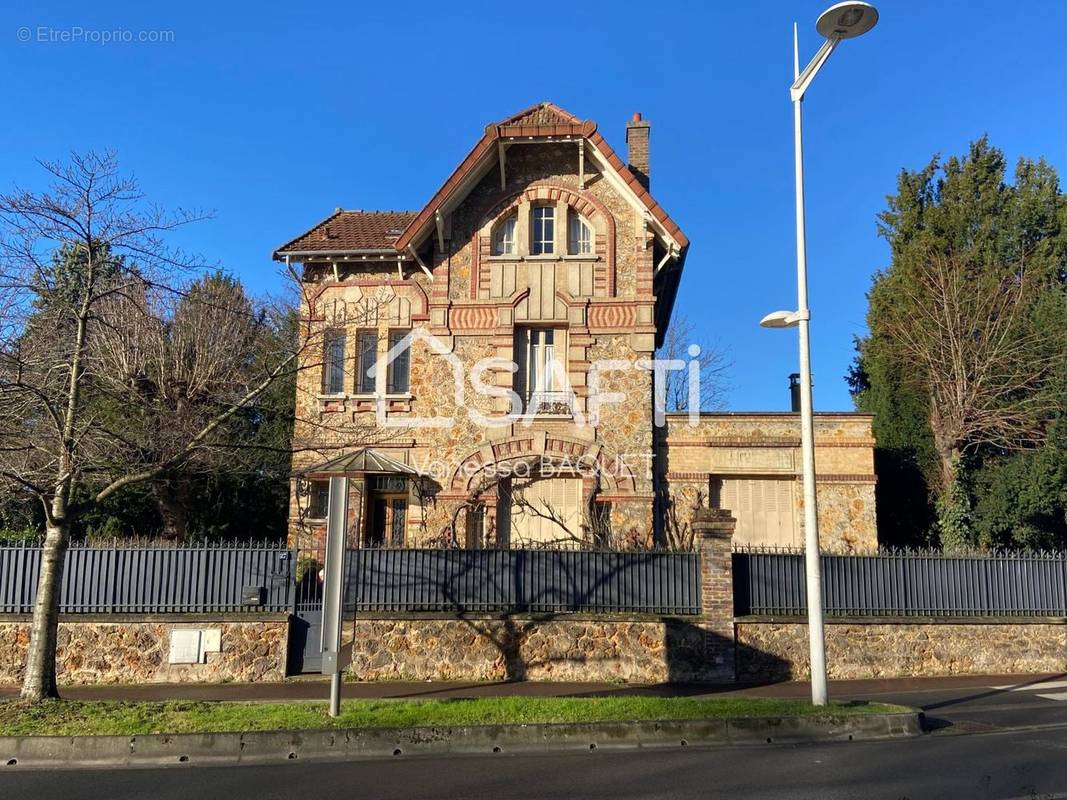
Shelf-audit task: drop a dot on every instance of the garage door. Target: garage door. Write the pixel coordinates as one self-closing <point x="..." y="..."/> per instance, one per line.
<point x="764" y="508"/>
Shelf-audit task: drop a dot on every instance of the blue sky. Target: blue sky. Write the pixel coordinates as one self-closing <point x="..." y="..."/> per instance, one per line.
<point x="272" y="114"/>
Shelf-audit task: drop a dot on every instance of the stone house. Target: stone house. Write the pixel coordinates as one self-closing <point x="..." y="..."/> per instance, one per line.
<point x="487" y="355"/>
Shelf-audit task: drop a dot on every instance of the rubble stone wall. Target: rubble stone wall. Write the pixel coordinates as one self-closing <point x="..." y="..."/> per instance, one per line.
<point x="527" y="648"/>
<point x="778" y="650"/>
<point x="138" y="651"/>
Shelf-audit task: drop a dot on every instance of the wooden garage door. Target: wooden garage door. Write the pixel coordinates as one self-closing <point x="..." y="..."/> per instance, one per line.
<point x="764" y="509"/>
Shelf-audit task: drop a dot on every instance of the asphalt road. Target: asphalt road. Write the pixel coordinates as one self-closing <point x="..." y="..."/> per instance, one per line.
<point x="1020" y="764"/>
<point x="991" y="740"/>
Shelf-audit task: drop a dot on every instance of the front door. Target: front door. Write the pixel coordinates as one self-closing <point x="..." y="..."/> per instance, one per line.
<point x="387" y="520"/>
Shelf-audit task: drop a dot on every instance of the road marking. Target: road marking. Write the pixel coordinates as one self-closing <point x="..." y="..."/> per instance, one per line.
<point x="1032" y="687"/>
<point x="1055" y="696"/>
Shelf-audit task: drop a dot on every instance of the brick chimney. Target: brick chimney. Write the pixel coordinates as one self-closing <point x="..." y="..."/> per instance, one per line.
<point x="637" y="131"/>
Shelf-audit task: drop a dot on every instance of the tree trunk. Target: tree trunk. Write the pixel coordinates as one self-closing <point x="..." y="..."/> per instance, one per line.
<point x="950" y="465"/>
<point x="172" y="498"/>
<point x="39" y="679"/>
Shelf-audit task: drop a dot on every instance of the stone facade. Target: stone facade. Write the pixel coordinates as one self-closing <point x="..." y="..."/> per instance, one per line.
<point x="442" y="276"/>
<point x="450" y="285"/>
<point x="778" y="650"/>
<point x="137" y="651"/>
<point x="693" y="458"/>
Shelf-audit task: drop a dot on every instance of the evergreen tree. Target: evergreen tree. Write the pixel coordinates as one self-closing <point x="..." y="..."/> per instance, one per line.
<point x="960" y="234"/>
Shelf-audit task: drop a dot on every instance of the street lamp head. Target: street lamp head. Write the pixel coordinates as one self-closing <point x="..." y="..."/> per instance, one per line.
<point x="847" y="20"/>
<point x="780" y="319"/>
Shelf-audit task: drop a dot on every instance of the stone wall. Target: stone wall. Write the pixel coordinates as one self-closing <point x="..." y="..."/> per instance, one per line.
<point x="105" y="650"/>
<point x="778" y="650"/>
<point x="528" y="648"/>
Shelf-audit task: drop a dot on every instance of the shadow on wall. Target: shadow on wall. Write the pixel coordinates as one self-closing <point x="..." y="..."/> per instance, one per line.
<point x="691" y="654"/>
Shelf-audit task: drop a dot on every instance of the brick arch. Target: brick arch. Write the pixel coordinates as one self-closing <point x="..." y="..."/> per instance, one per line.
<point x="561" y="451"/>
<point x="582" y="201"/>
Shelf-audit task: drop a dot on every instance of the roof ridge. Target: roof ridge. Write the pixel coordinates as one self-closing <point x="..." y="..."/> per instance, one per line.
<point x="373" y="211"/>
<point x="544" y="105"/>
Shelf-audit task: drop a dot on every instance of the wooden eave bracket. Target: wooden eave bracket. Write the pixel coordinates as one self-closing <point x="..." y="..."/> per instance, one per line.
<point x="415" y="255"/>
<point x="439" y="218"/>
<point x="581" y="163"/>
<point x="501" y="149"/>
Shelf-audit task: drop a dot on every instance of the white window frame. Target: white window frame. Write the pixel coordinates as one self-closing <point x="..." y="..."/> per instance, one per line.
<point x="504" y="236"/>
<point x="542" y="230"/>
<point x="580" y="238"/>
<point x="545" y="368"/>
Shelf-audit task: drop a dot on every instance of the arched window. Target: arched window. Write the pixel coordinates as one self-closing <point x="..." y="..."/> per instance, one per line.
<point x="579" y="234"/>
<point x="504" y="236"/>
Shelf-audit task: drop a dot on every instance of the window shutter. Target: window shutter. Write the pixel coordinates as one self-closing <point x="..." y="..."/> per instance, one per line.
<point x="519" y="381"/>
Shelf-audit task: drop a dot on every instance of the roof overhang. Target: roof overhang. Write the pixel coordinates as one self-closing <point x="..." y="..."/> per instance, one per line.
<point x="364" y="461"/>
<point x="280" y="255"/>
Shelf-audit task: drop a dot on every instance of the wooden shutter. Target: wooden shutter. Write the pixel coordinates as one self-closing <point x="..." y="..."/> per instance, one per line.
<point x="530" y="522"/>
<point x="521" y="343"/>
<point x="764" y="510"/>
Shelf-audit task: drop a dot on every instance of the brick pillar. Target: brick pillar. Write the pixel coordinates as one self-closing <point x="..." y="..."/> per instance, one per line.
<point x="713" y="529"/>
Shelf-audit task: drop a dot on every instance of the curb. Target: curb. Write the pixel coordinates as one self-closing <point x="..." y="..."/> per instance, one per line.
<point x="260" y="747"/>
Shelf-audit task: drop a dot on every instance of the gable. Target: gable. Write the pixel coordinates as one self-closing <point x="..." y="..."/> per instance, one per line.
<point x="543" y="122"/>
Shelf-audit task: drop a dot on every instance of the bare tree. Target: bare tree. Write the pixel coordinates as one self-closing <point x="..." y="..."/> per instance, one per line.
<point x="590" y="527"/>
<point x="681" y="336"/>
<point x="971" y="342"/>
<point x="114" y="368"/>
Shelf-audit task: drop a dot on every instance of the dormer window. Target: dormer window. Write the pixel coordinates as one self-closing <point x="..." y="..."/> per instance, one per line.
<point x="543" y="231"/>
<point x="579" y="235"/>
<point x="504" y="237"/>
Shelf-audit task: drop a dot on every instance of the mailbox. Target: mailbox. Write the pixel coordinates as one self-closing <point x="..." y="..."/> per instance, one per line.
<point x="253" y="595"/>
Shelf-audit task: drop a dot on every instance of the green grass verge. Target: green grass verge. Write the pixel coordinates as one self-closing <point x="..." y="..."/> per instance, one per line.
<point x="78" y="718"/>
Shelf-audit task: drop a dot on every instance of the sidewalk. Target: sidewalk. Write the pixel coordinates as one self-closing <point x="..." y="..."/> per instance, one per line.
<point x="317" y="688"/>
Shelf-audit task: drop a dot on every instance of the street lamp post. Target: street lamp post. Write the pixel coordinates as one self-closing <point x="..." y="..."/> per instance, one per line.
<point x="839" y="22"/>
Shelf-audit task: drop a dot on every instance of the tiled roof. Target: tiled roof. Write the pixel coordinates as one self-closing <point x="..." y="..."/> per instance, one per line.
<point x="352" y="230"/>
<point x="540" y="114"/>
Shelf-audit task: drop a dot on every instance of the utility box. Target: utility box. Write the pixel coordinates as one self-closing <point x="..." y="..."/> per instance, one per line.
<point x="184" y="646"/>
<point x="253" y="595"/>
<point x="210" y="641"/>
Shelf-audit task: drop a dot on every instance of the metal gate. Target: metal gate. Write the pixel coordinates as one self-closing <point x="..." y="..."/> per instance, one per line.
<point x="305" y="634"/>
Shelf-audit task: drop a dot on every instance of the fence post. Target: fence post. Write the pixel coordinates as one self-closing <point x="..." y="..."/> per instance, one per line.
<point x="714" y="530"/>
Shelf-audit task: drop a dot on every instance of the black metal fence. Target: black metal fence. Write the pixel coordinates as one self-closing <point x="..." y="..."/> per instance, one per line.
<point x="523" y="581"/>
<point x="224" y="576"/>
<point x="261" y="576"/>
<point x="906" y="583"/>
